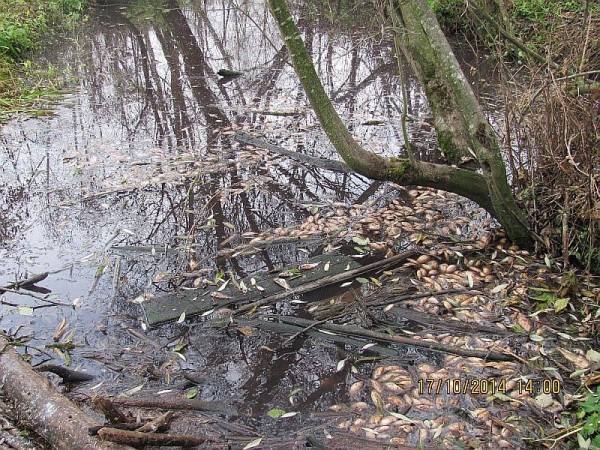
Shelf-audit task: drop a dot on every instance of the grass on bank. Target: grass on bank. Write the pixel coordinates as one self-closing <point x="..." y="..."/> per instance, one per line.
<point x="24" y="28"/>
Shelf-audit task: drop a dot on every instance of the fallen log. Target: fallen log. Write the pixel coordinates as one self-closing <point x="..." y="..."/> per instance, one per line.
<point x="138" y="439"/>
<point x="190" y="404"/>
<point x="43" y="410"/>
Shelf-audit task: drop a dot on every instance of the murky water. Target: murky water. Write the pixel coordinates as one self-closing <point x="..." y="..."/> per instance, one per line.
<point x="141" y="153"/>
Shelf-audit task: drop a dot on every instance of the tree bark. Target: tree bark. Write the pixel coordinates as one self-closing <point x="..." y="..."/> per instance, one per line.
<point x="461" y="126"/>
<point x="41" y="409"/>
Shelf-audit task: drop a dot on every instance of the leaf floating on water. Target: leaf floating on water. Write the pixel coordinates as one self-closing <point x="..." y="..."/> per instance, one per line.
<point x="308" y="266"/>
<point x="139" y="299"/>
<point x="180" y="346"/>
<point x="207" y="313"/>
<point x="246" y="331"/>
<point x="60" y="330"/>
<point x="243" y="287"/>
<point x="289" y="414"/>
<point x="181" y="318"/>
<point x="220" y="296"/>
<point x="362" y="280"/>
<point x="361" y="240"/>
<point x="25" y="310"/>
<point x="275" y="413"/>
<point x="266" y="349"/>
<point x="223" y="286"/>
<point x="252" y="281"/>
<point x="326" y="266"/>
<point x="162" y="276"/>
<point x="132" y="391"/>
<point x="368" y="346"/>
<point x="282" y="283"/>
<point x="288" y="273"/>
<point x="346" y="284"/>
<point x="260" y="288"/>
<point x="191" y="393"/>
<point x="341" y="365"/>
<point x="254" y="443"/>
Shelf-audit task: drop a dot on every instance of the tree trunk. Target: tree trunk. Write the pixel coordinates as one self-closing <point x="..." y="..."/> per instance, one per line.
<point x="41" y="409"/>
<point x="461" y="126"/>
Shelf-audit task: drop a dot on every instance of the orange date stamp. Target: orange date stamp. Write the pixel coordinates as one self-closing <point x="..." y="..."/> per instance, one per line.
<point x="487" y="386"/>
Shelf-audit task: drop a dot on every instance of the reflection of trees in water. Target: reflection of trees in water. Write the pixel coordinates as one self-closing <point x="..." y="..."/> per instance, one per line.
<point x="13" y="211"/>
<point x="153" y="83"/>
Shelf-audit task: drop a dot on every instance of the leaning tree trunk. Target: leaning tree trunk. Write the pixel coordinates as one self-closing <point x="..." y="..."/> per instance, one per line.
<point x="461" y="126"/>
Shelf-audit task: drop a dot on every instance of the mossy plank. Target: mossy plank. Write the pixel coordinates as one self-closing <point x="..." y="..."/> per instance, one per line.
<point x="193" y="302"/>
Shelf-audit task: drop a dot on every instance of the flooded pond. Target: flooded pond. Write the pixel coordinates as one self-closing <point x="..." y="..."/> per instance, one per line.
<point x="137" y="186"/>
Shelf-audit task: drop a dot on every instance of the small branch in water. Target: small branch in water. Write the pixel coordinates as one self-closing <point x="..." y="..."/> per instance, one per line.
<point x="357" y="331"/>
<point x="30" y="281"/>
<point x="29" y="294"/>
<point x="323" y="163"/>
<point x="67" y="375"/>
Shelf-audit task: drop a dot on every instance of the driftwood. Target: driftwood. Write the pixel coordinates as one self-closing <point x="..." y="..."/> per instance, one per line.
<point x="110" y="411"/>
<point x="361" y="332"/>
<point x="175" y="403"/>
<point x="138" y="439"/>
<point x="29" y="281"/>
<point x="67" y="375"/>
<point x="43" y="410"/>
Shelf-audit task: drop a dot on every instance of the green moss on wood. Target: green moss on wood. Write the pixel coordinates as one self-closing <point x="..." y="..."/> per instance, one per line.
<point x="447" y="146"/>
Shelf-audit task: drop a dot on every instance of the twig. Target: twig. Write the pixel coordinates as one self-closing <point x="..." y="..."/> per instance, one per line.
<point x="304" y="330"/>
<point x="29" y="294"/>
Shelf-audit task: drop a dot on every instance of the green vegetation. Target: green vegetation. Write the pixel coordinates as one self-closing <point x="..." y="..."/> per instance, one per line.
<point x="589" y="414"/>
<point x="24" y="27"/>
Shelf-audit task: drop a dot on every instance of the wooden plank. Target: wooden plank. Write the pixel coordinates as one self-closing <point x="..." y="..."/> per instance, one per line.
<point x="194" y="302"/>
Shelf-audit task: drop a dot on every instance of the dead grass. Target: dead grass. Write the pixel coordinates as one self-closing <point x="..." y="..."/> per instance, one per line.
<point x="555" y="137"/>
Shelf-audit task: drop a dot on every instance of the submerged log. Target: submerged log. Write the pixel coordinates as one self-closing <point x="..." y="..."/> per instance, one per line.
<point x="43" y="410"/>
